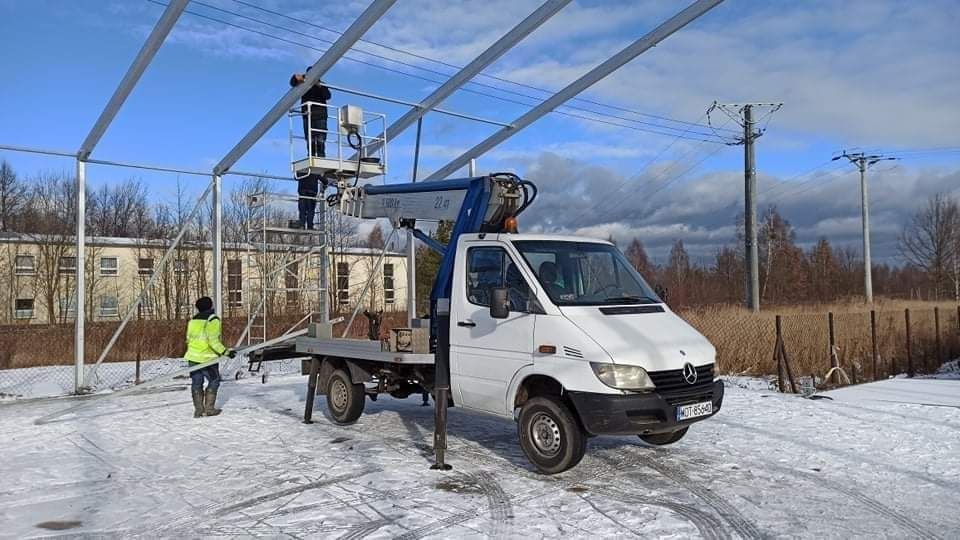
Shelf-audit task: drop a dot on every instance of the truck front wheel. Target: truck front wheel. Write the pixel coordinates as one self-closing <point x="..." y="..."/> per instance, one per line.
<point x="344" y="399"/>
<point x="550" y="436"/>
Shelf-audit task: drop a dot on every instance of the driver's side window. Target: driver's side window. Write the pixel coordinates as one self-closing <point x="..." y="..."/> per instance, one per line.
<point x="489" y="268"/>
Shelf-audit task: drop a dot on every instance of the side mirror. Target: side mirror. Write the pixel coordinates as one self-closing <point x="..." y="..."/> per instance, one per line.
<point x="499" y="305"/>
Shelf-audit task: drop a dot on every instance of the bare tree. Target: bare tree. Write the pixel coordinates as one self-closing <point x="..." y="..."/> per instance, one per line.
<point x="117" y="210"/>
<point x="53" y="202"/>
<point x="929" y="240"/>
<point x="12" y="196"/>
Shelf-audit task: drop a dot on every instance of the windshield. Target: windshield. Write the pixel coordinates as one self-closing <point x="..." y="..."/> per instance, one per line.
<point x="585" y="273"/>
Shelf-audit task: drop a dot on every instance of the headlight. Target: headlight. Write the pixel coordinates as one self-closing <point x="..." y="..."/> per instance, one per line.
<point x="622" y="377"/>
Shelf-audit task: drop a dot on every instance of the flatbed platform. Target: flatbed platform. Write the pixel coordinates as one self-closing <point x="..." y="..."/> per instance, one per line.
<point x="359" y="349"/>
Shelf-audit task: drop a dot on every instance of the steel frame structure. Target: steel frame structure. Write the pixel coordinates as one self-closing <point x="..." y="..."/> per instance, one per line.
<point x="356" y="30"/>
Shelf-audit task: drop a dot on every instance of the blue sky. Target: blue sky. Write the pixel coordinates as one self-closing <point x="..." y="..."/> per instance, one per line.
<point x="872" y="74"/>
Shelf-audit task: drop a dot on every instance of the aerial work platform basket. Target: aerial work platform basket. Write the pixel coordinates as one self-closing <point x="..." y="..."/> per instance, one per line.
<point x="338" y="153"/>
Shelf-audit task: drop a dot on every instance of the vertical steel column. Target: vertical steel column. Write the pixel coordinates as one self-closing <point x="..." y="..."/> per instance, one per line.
<point x="324" y="300"/>
<point x="217" y="244"/>
<point x="750" y="211"/>
<point x="472" y="168"/>
<point x="412" y="241"/>
<point x="80" y="297"/>
<point x="441" y="385"/>
<point x="865" y="209"/>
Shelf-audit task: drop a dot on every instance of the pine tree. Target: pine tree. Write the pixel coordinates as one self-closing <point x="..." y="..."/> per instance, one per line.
<point x="428" y="264"/>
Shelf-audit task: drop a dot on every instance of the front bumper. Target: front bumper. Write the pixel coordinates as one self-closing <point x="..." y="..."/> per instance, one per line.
<point x="634" y="414"/>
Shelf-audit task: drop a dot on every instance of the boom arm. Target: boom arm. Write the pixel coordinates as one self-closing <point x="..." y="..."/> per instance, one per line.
<point x="480" y="204"/>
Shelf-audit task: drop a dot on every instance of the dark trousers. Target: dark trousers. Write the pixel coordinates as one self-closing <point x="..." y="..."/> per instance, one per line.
<point x="317" y="139"/>
<point x="308" y="210"/>
<point x="210" y="373"/>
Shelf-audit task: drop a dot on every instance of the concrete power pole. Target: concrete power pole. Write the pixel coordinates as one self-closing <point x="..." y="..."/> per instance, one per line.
<point x="750" y="211"/>
<point x="863" y="162"/>
<point x="743" y="115"/>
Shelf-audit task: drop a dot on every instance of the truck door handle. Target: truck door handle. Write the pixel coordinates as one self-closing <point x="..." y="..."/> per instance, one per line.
<point x="466" y="324"/>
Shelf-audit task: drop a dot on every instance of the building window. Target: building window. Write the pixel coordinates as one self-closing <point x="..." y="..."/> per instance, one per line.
<point x="180" y="266"/>
<point x="343" y="283"/>
<point x="23" y="308"/>
<point x="235" y="282"/>
<point x="24" y="265"/>
<point x="109" y="266"/>
<point x="68" y="306"/>
<point x="68" y="265"/>
<point x="145" y="266"/>
<point x="109" y="306"/>
<point x="388" y="290"/>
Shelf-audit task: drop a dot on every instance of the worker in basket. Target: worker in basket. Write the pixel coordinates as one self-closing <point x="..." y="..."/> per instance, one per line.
<point x="204" y="345"/>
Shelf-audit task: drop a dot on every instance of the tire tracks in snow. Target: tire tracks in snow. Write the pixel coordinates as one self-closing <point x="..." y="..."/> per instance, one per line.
<point x="743" y="526"/>
<point x="707" y="525"/>
<point x="726" y="511"/>
<point x="499" y="508"/>
<point x="911" y="528"/>
<point x="914" y="529"/>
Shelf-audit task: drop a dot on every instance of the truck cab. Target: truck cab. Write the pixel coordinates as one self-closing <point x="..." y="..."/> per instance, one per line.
<point x="579" y="329"/>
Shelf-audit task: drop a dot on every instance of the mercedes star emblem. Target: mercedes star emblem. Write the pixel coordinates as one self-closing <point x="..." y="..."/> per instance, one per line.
<point x="689" y="373"/>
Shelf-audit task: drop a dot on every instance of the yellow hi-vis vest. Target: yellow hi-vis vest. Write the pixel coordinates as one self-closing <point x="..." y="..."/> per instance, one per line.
<point x="203" y="340"/>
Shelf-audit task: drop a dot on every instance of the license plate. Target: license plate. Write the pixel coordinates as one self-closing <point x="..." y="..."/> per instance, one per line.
<point x="695" y="410"/>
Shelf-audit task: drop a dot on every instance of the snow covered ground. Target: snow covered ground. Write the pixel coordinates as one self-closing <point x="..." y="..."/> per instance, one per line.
<point x="767" y="465"/>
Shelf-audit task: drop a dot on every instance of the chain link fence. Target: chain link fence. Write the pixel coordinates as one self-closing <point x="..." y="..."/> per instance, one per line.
<point x="866" y="344"/>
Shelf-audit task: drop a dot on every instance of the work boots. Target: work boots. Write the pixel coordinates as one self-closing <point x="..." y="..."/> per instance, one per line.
<point x="197" y="403"/>
<point x="210" y="401"/>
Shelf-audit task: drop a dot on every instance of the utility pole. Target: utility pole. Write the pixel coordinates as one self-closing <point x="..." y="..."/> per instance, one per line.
<point x="742" y="114"/>
<point x="863" y="162"/>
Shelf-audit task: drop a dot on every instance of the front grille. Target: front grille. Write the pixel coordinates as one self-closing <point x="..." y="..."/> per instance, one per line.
<point x="675" y="389"/>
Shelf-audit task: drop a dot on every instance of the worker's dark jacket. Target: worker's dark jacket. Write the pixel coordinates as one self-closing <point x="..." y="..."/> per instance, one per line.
<point x="308" y="186"/>
<point x="318" y="94"/>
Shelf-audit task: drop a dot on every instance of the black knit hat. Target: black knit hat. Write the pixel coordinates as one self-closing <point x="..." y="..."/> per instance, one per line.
<point x="204" y="304"/>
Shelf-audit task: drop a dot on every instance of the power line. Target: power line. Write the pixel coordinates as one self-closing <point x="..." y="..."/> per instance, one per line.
<point x="453" y="66"/>
<point x="785" y="183"/>
<point x="654" y="128"/>
<point x="616" y="192"/>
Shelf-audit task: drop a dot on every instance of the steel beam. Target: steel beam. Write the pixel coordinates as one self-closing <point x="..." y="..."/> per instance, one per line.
<point x="218" y="244"/>
<point x="346" y="40"/>
<point x="129" y="81"/>
<point x="79" y="294"/>
<point x="635" y="49"/>
<point x="487" y="57"/>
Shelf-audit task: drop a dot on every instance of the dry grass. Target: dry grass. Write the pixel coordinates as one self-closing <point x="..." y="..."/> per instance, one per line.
<point x="745" y="340"/>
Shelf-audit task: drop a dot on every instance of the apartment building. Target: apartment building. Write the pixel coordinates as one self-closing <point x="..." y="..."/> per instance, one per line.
<point x="40" y="277"/>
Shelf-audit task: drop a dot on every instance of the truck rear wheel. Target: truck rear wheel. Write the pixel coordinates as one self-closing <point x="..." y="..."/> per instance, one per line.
<point x="550" y="436"/>
<point x="344" y="399"/>
<point x="661" y="439"/>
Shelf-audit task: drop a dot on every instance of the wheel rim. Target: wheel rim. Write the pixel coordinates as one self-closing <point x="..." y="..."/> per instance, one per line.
<point x="545" y="433"/>
<point x="338" y="394"/>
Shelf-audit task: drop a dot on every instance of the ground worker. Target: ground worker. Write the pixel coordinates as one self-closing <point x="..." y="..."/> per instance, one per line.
<point x="203" y="345"/>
